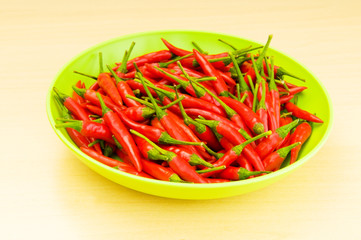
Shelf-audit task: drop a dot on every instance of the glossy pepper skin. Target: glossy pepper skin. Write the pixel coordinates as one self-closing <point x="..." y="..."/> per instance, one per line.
<point x="122" y="134"/>
<point x="76" y="136"/>
<point x="274" y="160"/>
<point x="236" y="139"/>
<point x="301" y="134"/>
<point x="232" y="154"/>
<point x="251" y="119"/>
<point x="77" y="110"/>
<point x="268" y="145"/>
<point x="108" y="85"/>
<point x="91" y="96"/>
<point x="299" y="113"/>
<point x="238" y="173"/>
<point x="152" y="57"/>
<point x="90" y="129"/>
<point x="219" y="85"/>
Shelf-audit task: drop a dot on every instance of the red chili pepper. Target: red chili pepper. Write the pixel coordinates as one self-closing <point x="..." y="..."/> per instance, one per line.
<point x="137" y="85"/>
<point x="185" y="153"/>
<point x="155" y="170"/>
<point x="286" y="98"/>
<point x="175" y="50"/>
<point x="188" y="101"/>
<point x="152" y="57"/>
<point x="261" y="109"/>
<point x="293" y="90"/>
<point x="76" y="136"/>
<point x="274" y="160"/>
<point x="232" y="115"/>
<point x="103" y="159"/>
<point x="202" y="131"/>
<point x="147" y="150"/>
<point x="179" y="165"/>
<point x="160" y="172"/>
<point x="243" y="162"/>
<point x="284" y="121"/>
<point x="94" y="109"/>
<point x="227" y="79"/>
<point x="74" y="107"/>
<point x="238" y="173"/>
<point x="269" y="144"/>
<point x="219" y="85"/>
<point x="299" y="113"/>
<point x="235" y="138"/>
<point x="155" y="134"/>
<point x="279" y="72"/>
<point x="94" y="86"/>
<point x="91" y="96"/>
<point x="89" y="129"/>
<point x="192" y="137"/>
<point x="272" y="122"/>
<point x="121" y="134"/>
<point x="76" y="97"/>
<point x="183" y="82"/>
<point x="301" y="134"/>
<point x="124" y="90"/>
<point x="231" y="155"/>
<point x="108" y="85"/>
<point x="274" y="96"/>
<point x="139" y="113"/>
<point x="250" y="118"/>
<point x="172" y="128"/>
<point x="77" y="110"/>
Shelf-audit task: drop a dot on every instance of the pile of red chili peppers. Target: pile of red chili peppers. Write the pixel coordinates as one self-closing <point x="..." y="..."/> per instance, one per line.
<point x="187" y="116"/>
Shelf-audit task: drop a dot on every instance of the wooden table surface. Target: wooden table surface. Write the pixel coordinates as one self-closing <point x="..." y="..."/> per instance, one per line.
<point x="46" y="193"/>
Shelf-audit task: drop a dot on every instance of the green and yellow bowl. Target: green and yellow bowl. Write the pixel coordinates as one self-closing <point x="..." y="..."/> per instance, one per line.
<point x="315" y="99"/>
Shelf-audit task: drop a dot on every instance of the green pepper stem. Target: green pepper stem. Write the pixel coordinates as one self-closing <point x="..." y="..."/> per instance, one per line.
<point x="227" y="43"/>
<point x="244" y="98"/>
<point x="117" y="143"/>
<point x="151" y="105"/>
<point x="196" y="160"/>
<point x="75" y="125"/>
<point x="239" y="148"/>
<point x="283" y="152"/>
<point x="244" y="173"/>
<point x="159" y="112"/>
<point x="250" y="82"/>
<point x="161" y="150"/>
<point x="264" y="51"/>
<point x="105" y="109"/>
<point x="204" y="79"/>
<point x="79" y="91"/>
<point x="86" y="75"/>
<point x="123" y="67"/>
<point x="229" y="111"/>
<point x="94" y="142"/>
<point x="213" y="153"/>
<point x="211" y="169"/>
<point x="166" y="64"/>
<point x="199" y="48"/>
<point x="62" y="96"/>
<point x="198" y="91"/>
<point x="116" y="77"/>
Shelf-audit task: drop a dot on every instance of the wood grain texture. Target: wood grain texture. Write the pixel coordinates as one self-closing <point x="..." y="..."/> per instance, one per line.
<point x="46" y="193"/>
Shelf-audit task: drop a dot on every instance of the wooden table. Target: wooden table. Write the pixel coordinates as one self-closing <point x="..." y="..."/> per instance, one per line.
<point x="46" y="193"/>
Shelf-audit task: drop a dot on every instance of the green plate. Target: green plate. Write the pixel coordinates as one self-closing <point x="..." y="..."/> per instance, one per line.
<point x="315" y="99"/>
